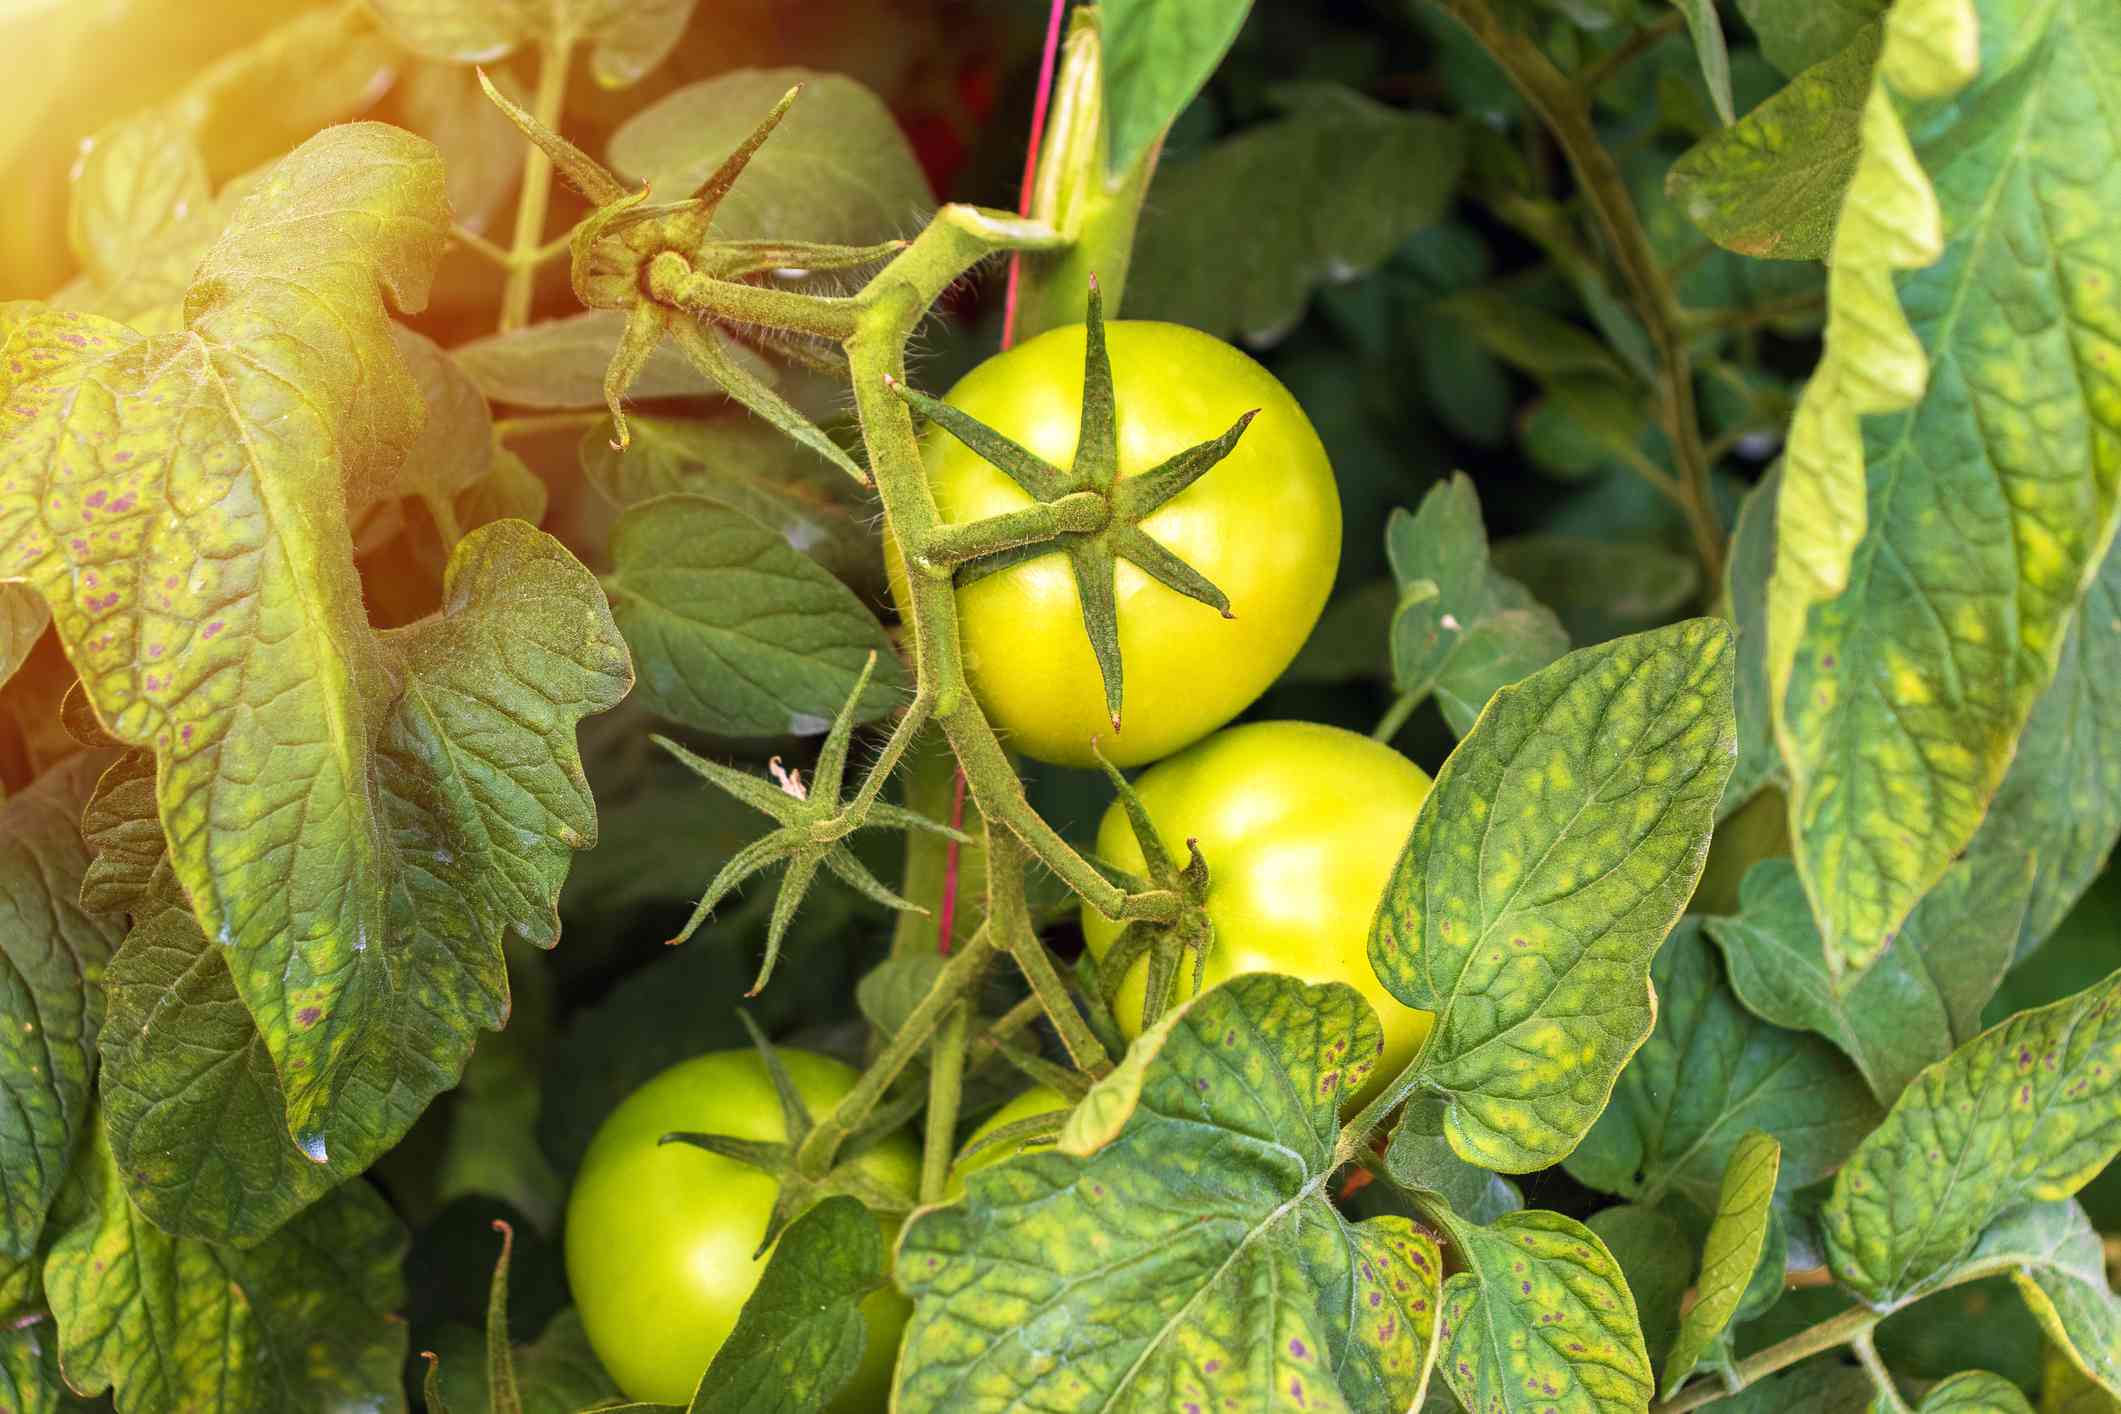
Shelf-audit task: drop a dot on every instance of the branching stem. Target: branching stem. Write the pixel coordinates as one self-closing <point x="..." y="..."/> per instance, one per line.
<point x="534" y="202"/>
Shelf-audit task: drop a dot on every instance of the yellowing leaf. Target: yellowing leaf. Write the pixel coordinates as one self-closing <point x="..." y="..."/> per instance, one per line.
<point x="1951" y="477"/>
<point x="1556" y="850"/>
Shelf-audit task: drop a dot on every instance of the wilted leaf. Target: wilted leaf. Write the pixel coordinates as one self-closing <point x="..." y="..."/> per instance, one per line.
<point x="302" y="1322"/>
<point x="1461" y="629"/>
<point x="735" y="632"/>
<point x="52" y="955"/>
<point x="1540" y="1317"/>
<point x="1913" y="1006"/>
<point x="1322" y="194"/>
<point x="1932" y="556"/>
<point x="2024" y="1111"/>
<point x="1710" y="1073"/>
<point x="1736" y="1243"/>
<point x="1190" y="1253"/>
<point x="747" y="465"/>
<point x="1526" y="920"/>
<point x="1772" y="186"/>
<point x="1157" y="55"/>
<point x="837" y="169"/>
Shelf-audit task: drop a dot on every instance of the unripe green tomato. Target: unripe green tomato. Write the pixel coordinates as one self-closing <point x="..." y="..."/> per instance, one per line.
<point x="1301" y="825"/>
<point x="660" y="1236"/>
<point x="1038" y="1100"/>
<point x="1263" y="525"/>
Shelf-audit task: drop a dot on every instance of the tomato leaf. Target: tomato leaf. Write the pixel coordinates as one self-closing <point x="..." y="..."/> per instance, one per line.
<point x="1541" y="1315"/>
<point x="1738" y="1239"/>
<point x="1524" y="916"/>
<point x="1706" y="30"/>
<point x="2058" y="1262"/>
<point x="1653" y="1253"/>
<point x="134" y="183"/>
<point x="737" y="633"/>
<point x="1323" y="194"/>
<point x="1796" y="34"/>
<point x="1745" y="579"/>
<point x="2060" y="802"/>
<point x="1158" y="54"/>
<point x="455" y="445"/>
<point x="629" y="38"/>
<point x="836" y="171"/>
<point x="1910" y="1008"/>
<point x="509" y="490"/>
<point x="304" y="1321"/>
<point x="560" y="363"/>
<point x="800" y="1335"/>
<point x="1974" y="1392"/>
<point x="1461" y="629"/>
<point x="23" y="619"/>
<point x="748" y="466"/>
<point x="558" y="1373"/>
<point x="52" y="954"/>
<point x="1710" y="1073"/>
<point x="1772" y="186"/>
<point x="1943" y="553"/>
<point x="1183" y="1246"/>
<point x="2024" y="1111"/>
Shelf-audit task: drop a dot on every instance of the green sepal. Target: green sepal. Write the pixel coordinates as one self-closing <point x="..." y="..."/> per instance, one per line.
<point x="1165" y="943"/>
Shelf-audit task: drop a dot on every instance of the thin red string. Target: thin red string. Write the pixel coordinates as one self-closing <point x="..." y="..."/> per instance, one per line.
<point x="946" y="912"/>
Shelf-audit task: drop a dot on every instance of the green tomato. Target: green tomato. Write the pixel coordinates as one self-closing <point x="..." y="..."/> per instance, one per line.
<point x="1263" y="525"/>
<point x="1301" y="825"/>
<point x="1038" y="1100"/>
<point x="660" y="1236"/>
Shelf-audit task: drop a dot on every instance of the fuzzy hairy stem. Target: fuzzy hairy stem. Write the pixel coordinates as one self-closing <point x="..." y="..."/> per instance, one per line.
<point x="534" y="201"/>
<point x="946" y="1087"/>
<point x="1565" y="109"/>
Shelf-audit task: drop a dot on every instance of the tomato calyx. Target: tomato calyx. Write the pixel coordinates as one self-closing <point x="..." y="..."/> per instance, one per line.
<point x="1165" y="944"/>
<point x="798" y="1192"/>
<point x="656" y="263"/>
<point x="1086" y="512"/>
<point x="812" y="829"/>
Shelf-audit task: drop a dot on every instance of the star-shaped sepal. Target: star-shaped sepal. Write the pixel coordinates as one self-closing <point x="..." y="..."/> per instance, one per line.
<point x="656" y="262"/>
<point x="811" y="831"/>
<point x="799" y="1192"/>
<point x="1086" y="512"/>
<point x="1165" y="944"/>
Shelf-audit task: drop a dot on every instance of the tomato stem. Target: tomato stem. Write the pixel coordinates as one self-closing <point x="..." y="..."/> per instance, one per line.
<point x="534" y="201"/>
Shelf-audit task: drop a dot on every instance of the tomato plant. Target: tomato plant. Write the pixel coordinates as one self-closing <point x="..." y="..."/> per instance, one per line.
<point x="1136" y="705"/>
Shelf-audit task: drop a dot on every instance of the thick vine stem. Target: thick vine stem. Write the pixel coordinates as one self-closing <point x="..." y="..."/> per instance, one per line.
<point x="1565" y="109"/>
<point x="535" y="199"/>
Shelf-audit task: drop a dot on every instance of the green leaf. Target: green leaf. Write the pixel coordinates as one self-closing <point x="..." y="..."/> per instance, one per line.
<point x="1796" y="34"/>
<point x="455" y="446"/>
<point x="629" y="38"/>
<point x="1946" y="540"/>
<point x="2060" y="802"/>
<point x="1420" y="1159"/>
<point x="52" y="954"/>
<point x="2058" y="1261"/>
<point x="23" y="619"/>
<point x="560" y="363"/>
<point x="1974" y="1392"/>
<point x="558" y="1373"/>
<point x="476" y="772"/>
<point x="304" y="1321"/>
<point x="460" y="31"/>
<point x="2025" y="1111"/>
<point x="1158" y="55"/>
<point x="124" y="836"/>
<point x="1823" y="1385"/>
<point x="1322" y="194"/>
<point x="1192" y="1253"/>
<point x="1745" y="579"/>
<point x="1540" y="1319"/>
<point x="837" y="170"/>
<point x="1710" y="1073"/>
<point x="748" y="465"/>
<point x="1772" y="186"/>
<point x="1653" y="1252"/>
<point x="1524" y="917"/>
<point x="1706" y="31"/>
<point x="1461" y="629"/>
<point x="1736" y="1243"/>
<point x="800" y="1335"/>
<point x="1916" y="1004"/>
<point x="1602" y="587"/>
<point x="509" y="490"/>
<point x="736" y="632"/>
<point x="132" y="184"/>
